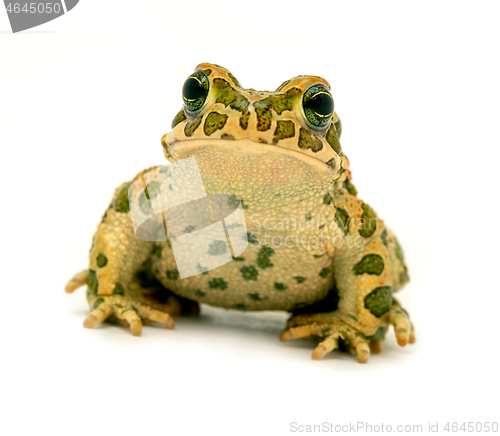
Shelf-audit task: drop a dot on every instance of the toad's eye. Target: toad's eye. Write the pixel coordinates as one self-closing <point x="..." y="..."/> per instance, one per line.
<point x="318" y="106"/>
<point x="195" y="91"/>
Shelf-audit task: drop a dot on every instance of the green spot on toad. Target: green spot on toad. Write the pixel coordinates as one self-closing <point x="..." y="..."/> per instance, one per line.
<point x="249" y="272"/>
<point x="342" y="219"/>
<point x="252" y="239"/>
<point x="255" y="296"/>
<point x="327" y="198"/>
<point x="218" y="283"/>
<point x="370" y="264"/>
<point x="101" y="260"/>
<point x="98" y="302"/>
<point x="280" y="286"/>
<point x="368" y="220"/>
<point x="157" y="250"/>
<point x="324" y="272"/>
<point x="121" y="204"/>
<point x="172" y="274"/>
<point x="118" y="289"/>
<point x="92" y="282"/>
<point x="379" y="301"/>
<point x="217" y="248"/>
<point x="264" y="257"/>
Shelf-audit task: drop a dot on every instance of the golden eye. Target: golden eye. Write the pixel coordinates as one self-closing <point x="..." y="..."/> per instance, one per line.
<point x="195" y="91"/>
<point x="317" y="103"/>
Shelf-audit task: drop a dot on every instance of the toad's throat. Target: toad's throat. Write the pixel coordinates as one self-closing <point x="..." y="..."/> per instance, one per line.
<point x="178" y="150"/>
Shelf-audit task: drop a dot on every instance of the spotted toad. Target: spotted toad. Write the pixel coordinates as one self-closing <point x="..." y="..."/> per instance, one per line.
<point x="314" y="249"/>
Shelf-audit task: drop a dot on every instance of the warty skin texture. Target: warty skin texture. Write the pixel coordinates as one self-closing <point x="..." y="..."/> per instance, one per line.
<point x="336" y="266"/>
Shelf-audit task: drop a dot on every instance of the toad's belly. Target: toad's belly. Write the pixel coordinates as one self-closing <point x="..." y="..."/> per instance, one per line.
<point x="262" y="278"/>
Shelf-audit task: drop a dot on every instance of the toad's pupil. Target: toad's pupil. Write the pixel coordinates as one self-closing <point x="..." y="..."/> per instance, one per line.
<point x="193" y="90"/>
<point x="321" y="103"/>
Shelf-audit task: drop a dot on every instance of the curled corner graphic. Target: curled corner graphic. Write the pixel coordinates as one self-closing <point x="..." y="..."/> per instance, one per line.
<point x="170" y="204"/>
<point x="27" y="14"/>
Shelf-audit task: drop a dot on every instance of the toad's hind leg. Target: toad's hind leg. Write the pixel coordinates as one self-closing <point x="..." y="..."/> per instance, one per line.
<point x="120" y="284"/>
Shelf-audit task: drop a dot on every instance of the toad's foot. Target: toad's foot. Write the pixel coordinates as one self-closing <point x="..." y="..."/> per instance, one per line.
<point x="339" y="334"/>
<point x="78" y="280"/>
<point x="403" y="327"/>
<point x="336" y="334"/>
<point x="126" y="311"/>
<point x="133" y="305"/>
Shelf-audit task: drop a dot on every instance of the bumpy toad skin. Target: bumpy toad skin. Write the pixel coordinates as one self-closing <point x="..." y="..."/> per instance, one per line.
<point x="315" y="249"/>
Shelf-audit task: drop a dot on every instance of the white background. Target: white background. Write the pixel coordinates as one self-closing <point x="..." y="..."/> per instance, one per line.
<point x="84" y="101"/>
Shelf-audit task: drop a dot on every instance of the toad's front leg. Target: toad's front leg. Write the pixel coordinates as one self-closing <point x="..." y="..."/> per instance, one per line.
<point x="121" y="285"/>
<point x="366" y="278"/>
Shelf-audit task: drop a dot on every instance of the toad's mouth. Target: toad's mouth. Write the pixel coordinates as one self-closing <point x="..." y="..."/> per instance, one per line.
<point x="182" y="149"/>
